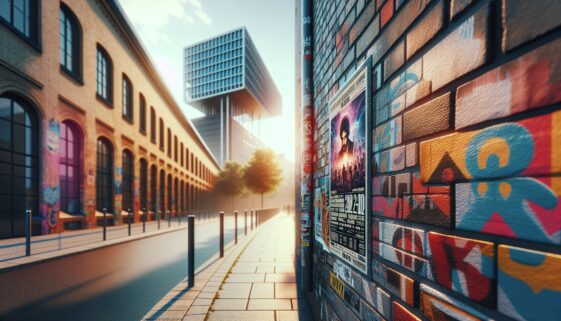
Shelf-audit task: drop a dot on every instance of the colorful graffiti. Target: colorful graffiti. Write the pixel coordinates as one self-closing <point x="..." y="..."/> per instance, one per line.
<point x="51" y="183"/>
<point x="392" y="160"/>
<point x="525" y="148"/>
<point x="388" y="134"/>
<point x="522" y="208"/>
<point x="463" y="265"/>
<point x="437" y="306"/>
<point x="377" y="298"/>
<point x="529" y="284"/>
<point x="368" y="313"/>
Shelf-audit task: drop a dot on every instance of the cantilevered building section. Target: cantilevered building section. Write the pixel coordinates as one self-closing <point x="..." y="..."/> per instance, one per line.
<point x="226" y="79"/>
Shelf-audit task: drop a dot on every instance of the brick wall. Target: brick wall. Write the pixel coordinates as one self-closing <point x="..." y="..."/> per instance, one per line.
<point x="466" y="210"/>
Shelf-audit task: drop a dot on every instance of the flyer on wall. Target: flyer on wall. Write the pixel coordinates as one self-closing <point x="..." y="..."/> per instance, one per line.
<point x="349" y="166"/>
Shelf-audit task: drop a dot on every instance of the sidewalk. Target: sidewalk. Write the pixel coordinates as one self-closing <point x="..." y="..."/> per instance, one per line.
<point x="254" y="282"/>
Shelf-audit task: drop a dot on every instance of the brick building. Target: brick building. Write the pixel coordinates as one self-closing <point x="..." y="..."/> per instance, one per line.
<point x="464" y="215"/>
<point x="86" y="123"/>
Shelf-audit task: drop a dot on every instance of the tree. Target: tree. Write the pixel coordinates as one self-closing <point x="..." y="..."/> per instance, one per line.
<point x="230" y="181"/>
<point x="263" y="173"/>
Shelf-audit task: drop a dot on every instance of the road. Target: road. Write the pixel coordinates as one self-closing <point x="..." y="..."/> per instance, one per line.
<point x="118" y="283"/>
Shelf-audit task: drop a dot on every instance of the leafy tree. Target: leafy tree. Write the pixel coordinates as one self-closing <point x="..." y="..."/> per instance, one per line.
<point x="230" y="181"/>
<point x="263" y="173"/>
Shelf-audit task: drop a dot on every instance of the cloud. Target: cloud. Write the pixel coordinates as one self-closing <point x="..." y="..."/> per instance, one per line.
<point x="150" y="19"/>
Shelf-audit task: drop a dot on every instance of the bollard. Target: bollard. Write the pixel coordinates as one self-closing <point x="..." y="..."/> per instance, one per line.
<point x="28" y="220"/>
<point x="191" y="250"/>
<point x="168" y="213"/>
<point x="221" y="234"/>
<point x="245" y="222"/>
<point x="104" y="224"/>
<point x="144" y="220"/>
<point x="251" y="220"/>
<point x="130" y="221"/>
<point x="159" y="214"/>
<point x="235" y="227"/>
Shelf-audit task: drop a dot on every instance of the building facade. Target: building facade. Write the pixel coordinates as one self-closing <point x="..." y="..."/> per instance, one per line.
<point x="87" y="125"/>
<point x="226" y="79"/>
<point x="464" y="222"/>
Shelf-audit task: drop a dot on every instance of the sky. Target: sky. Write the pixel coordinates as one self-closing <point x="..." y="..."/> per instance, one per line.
<point x="166" y="27"/>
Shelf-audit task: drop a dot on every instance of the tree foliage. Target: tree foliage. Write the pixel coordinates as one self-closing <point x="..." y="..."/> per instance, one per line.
<point x="230" y="181"/>
<point x="263" y="173"/>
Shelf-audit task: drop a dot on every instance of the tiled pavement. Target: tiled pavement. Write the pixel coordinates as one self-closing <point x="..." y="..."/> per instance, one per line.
<point x="255" y="282"/>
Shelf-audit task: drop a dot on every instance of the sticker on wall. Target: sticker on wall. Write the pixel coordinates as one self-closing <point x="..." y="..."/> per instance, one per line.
<point x="349" y="166"/>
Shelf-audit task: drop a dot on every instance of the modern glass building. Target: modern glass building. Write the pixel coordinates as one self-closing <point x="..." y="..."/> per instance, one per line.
<point x="226" y="79"/>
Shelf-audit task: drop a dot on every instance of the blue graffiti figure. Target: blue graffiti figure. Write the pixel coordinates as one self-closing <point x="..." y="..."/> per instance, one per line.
<point x="51" y="196"/>
<point x="508" y="198"/>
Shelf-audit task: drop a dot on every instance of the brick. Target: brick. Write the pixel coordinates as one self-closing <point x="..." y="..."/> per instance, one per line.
<point x="367" y="36"/>
<point x="427" y="119"/>
<point x="362" y="21"/>
<point x="394" y="60"/>
<point x="388" y="134"/>
<point x="457" y="6"/>
<point x="451" y="256"/>
<point x="390" y="160"/>
<point x="463" y="50"/>
<point x="524" y="148"/>
<point x="377" y="76"/>
<point x="425" y="30"/>
<point x="497" y="207"/>
<point x="402" y="314"/>
<point x="524" y="21"/>
<point x="411" y="155"/>
<point x="431" y="209"/>
<point x="393" y="281"/>
<point x="392" y="185"/>
<point x="386" y="13"/>
<point x="435" y="304"/>
<point x="417" y="92"/>
<point x="396" y="27"/>
<point x="529" y="284"/>
<point x="529" y="82"/>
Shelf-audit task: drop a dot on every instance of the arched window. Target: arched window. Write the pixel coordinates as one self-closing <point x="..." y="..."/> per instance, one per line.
<point x="104" y="71"/>
<point x="19" y="136"/>
<point x="175" y="194"/>
<point x="70" y="42"/>
<point x="182" y="196"/>
<point x="162" y="202"/>
<point x="142" y="114"/>
<point x="70" y="169"/>
<point x="128" y="180"/>
<point x="143" y="175"/>
<point x="169" y="142"/>
<point x="170" y="195"/>
<point x="153" y="188"/>
<point x="104" y="176"/>
<point x="152" y="125"/>
<point x="161" y="134"/>
<point x="127" y="99"/>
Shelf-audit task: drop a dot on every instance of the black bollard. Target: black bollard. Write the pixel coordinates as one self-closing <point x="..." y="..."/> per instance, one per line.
<point x="28" y="221"/>
<point x="235" y="227"/>
<point x="221" y="234"/>
<point x="104" y="224"/>
<point x="130" y="221"/>
<point x="245" y="222"/>
<point x="191" y="250"/>
<point x="144" y="220"/>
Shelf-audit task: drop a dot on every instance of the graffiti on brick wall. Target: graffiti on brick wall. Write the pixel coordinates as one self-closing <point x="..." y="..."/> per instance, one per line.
<point x="368" y="313"/>
<point x="522" y="207"/>
<point x="377" y="298"/>
<point x="404" y="196"/>
<point x="529" y="284"/>
<point x="463" y="265"/>
<point x="437" y="306"/>
<point x="388" y="134"/>
<point x="51" y="187"/>
<point x="395" y="282"/>
<point x="392" y="160"/>
<point x="528" y="82"/>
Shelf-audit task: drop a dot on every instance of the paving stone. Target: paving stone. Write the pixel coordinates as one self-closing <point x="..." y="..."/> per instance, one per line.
<point x="283" y="277"/>
<point x="263" y="290"/>
<point x="285" y="290"/>
<point x="242" y="315"/>
<point x="269" y="304"/>
<point x="229" y="304"/>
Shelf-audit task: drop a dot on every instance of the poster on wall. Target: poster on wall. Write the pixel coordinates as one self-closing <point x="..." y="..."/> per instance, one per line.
<point x="349" y="166"/>
<point x="321" y="215"/>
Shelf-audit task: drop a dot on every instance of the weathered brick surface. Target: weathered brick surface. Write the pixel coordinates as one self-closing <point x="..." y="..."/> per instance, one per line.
<point x="525" y="20"/>
<point x="465" y="215"/>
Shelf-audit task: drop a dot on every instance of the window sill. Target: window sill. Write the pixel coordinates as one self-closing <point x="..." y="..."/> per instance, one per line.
<point x="128" y="120"/>
<point x="71" y="75"/>
<point x="107" y="103"/>
<point x="33" y="44"/>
